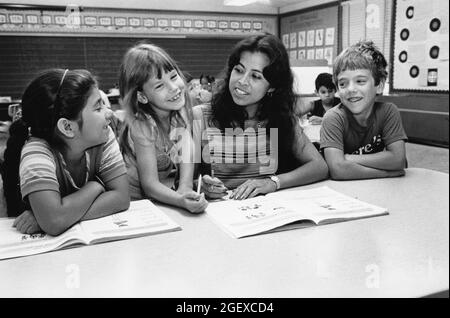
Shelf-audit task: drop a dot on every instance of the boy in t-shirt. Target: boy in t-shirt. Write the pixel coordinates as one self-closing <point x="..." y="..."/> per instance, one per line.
<point x="326" y="90"/>
<point x="362" y="138"/>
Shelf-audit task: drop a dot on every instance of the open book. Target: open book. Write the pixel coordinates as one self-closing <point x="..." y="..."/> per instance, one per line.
<point x="288" y="209"/>
<point x="142" y="218"/>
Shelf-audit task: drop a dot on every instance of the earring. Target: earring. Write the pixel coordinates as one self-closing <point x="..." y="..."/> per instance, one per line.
<point x="270" y="93"/>
<point x="142" y="98"/>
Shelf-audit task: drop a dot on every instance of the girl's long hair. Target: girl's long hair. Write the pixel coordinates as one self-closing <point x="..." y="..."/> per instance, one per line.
<point x="140" y="63"/>
<point x="277" y="108"/>
<point x="53" y="94"/>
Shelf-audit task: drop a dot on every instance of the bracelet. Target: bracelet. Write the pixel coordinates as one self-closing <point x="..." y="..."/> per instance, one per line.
<point x="275" y="179"/>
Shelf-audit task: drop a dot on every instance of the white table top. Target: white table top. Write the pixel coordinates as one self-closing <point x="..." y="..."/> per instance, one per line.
<point x="403" y="254"/>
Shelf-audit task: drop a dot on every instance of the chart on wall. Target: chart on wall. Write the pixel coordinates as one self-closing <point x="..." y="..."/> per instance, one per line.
<point x="420" y="61"/>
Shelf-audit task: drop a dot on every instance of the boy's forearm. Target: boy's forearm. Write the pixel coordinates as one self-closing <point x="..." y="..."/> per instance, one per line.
<point x="384" y="160"/>
<point x="307" y="173"/>
<point x="348" y="170"/>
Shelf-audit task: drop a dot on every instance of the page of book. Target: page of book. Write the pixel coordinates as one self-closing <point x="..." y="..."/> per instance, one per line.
<point x="321" y="205"/>
<point x="328" y="205"/>
<point x="15" y="244"/>
<point x="142" y="218"/>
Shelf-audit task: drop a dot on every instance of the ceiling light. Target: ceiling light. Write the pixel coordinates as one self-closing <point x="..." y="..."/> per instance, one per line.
<point x="239" y="3"/>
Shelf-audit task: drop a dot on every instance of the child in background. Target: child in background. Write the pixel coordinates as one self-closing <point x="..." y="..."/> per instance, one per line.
<point x="197" y="93"/>
<point x="158" y="112"/>
<point x="206" y="81"/>
<point x="362" y="138"/>
<point x="326" y="90"/>
<point x="71" y="168"/>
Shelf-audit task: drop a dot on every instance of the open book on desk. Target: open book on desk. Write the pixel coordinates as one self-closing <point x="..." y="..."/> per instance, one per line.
<point x="288" y="209"/>
<point x="142" y="218"/>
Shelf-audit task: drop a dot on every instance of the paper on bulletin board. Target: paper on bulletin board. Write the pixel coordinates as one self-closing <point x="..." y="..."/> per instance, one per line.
<point x="420" y="59"/>
<point x="329" y="36"/>
<point x="301" y="39"/>
<point x="310" y="38"/>
<point x="319" y="37"/>
<point x="293" y="40"/>
<point x="301" y="54"/>
<point x="285" y="38"/>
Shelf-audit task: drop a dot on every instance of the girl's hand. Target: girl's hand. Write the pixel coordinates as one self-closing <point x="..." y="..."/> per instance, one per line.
<point x="193" y="202"/>
<point x="213" y="187"/>
<point x="26" y="223"/>
<point x="252" y="188"/>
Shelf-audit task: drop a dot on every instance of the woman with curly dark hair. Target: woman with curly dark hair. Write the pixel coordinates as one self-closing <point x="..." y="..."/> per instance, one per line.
<point x="251" y="139"/>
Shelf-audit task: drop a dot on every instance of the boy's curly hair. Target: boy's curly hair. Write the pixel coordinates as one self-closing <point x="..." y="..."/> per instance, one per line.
<point x="362" y="55"/>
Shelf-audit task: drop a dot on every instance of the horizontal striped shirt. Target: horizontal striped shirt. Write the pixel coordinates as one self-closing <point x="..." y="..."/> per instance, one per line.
<point x="235" y="155"/>
<point x="38" y="166"/>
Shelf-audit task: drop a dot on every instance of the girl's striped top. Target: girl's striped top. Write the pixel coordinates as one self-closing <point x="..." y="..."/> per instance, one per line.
<point x="38" y="166"/>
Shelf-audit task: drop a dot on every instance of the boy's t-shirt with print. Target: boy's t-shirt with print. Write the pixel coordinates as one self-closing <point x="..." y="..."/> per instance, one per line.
<point x="340" y="129"/>
<point x="42" y="168"/>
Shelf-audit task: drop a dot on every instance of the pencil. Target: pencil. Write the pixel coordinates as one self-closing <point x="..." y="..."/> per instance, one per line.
<point x="199" y="184"/>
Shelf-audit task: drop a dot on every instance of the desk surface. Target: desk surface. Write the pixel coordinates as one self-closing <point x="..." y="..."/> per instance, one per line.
<point x="403" y="254"/>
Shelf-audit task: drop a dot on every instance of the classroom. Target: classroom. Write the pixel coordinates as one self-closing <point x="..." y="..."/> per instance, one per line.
<point x="106" y="101"/>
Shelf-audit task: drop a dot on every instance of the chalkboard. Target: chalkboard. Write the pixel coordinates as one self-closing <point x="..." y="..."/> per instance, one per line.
<point x="22" y="57"/>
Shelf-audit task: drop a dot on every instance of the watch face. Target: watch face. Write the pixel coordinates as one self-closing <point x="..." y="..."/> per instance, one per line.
<point x="276" y="180"/>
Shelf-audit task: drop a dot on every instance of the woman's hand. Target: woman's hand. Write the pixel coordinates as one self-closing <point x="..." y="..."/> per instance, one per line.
<point x="213" y="187"/>
<point x="193" y="202"/>
<point x="252" y="188"/>
<point x="26" y="223"/>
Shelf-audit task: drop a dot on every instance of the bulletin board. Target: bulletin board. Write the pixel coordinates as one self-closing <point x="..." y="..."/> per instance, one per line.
<point x="311" y="34"/>
<point x="420" y="59"/>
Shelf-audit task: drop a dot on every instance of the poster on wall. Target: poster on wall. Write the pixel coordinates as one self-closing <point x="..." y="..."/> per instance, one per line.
<point x="420" y="59"/>
<point x="301" y="54"/>
<point x="310" y="38"/>
<point x="285" y="38"/>
<point x="329" y="36"/>
<point x="319" y="37"/>
<point x="293" y="40"/>
<point x="301" y="39"/>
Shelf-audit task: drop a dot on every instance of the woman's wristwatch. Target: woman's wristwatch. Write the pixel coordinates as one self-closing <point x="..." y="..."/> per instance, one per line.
<point x="276" y="180"/>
